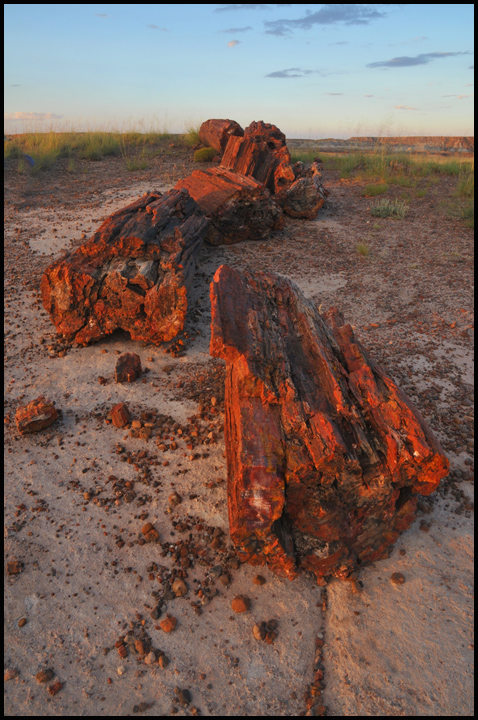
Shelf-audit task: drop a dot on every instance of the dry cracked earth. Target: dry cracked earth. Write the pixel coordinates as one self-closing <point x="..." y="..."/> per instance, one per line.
<point x="101" y="621"/>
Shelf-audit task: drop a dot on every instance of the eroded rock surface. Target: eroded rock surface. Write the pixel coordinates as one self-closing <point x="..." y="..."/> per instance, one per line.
<point x="325" y="453"/>
<point x="37" y="415"/>
<point x="239" y="207"/>
<point x="134" y="273"/>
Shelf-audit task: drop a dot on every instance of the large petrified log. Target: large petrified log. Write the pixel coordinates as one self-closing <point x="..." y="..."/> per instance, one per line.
<point x="133" y="273"/>
<point x="239" y="207"/>
<point x="216" y="133"/>
<point x="325" y="453"/>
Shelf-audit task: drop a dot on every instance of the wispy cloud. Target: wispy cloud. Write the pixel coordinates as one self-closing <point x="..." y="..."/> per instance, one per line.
<point x="472" y="67"/>
<point x="404" y="107"/>
<point x="156" y="27"/>
<point x="226" y="8"/>
<point x="237" y="30"/>
<point x="329" y="14"/>
<point x="340" y="42"/>
<point x="408" y="61"/>
<point x="31" y="116"/>
<point x="17" y="85"/>
<point x="101" y="15"/>
<point x="290" y="73"/>
<point x="233" y="43"/>
<point x="333" y="93"/>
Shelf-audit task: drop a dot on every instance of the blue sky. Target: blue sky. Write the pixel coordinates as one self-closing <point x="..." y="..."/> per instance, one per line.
<point x="313" y="70"/>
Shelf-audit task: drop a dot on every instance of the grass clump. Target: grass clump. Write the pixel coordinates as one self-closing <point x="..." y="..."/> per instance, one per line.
<point x="363" y="249"/>
<point x="468" y="214"/>
<point x="205" y="154"/>
<point x="191" y="136"/>
<point x="389" y="208"/>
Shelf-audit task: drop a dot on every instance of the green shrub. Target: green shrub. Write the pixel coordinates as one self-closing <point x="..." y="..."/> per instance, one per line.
<point x="389" y="208"/>
<point x="205" y="154"/>
<point x="363" y="249"/>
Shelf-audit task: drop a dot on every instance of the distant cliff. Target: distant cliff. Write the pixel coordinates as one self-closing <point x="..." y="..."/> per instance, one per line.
<point x="417" y="144"/>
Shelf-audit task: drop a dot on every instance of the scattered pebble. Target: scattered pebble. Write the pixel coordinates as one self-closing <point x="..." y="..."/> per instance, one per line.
<point x="240" y="604"/>
<point x="397" y="578"/>
<point x="44" y="675"/>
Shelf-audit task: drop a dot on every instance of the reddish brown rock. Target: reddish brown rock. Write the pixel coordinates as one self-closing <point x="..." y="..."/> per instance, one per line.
<point x="325" y="453"/>
<point x="239" y="207"/>
<point x="305" y="195"/>
<point x="216" y="133"/>
<point x="120" y="415"/>
<point x="128" y="368"/>
<point x="134" y="273"/>
<point x="35" y="416"/>
<point x="252" y="158"/>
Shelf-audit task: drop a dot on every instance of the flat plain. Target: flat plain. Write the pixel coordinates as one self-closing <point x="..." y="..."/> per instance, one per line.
<point x="78" y="494"/>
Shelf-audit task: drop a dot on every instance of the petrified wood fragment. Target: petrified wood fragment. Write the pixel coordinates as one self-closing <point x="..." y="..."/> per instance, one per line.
<point x="325" y="453"/>
<point x="250" y="157"/>
<point x="37" y="415"/>
<point x="133" y="273"/>
<point x="216" y="133"/>
<point x="128" y="367"/>
<point x="239" y="207"/>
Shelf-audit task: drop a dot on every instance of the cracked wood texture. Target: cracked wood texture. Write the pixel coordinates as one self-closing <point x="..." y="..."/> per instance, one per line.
<point x="133" y="273"/>
<point x="216" y="133"/>
<point x="239" y="207"/>
<point x="325" y="453"/>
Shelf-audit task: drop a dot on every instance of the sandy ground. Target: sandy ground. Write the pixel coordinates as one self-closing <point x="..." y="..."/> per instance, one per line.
<point x="88" y="578"/>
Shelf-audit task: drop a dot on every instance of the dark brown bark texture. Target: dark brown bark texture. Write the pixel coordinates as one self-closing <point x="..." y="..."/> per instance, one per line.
<point x="239" y="207"/>
<point x="133" y="273"/>
<point x="325" y="453"/>
<point x="216" y="133"/>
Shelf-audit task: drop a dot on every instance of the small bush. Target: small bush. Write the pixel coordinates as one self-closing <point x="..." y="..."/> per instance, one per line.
<point x="363" y="249"/>
<point x="389" y="208"/>
<point x="205" y="154"/>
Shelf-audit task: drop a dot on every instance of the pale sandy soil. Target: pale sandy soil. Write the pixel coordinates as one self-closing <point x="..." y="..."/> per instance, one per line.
<point x="389" y="649"/>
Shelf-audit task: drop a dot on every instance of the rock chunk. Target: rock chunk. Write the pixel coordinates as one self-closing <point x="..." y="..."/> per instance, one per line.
<point x="128" y="367"/>
<point x="134" y="273"/>
<point x="120" y="415"/>
<point x="35" y="416"/>
<point x="216" y="133"/>
<point x="239" y="207"/>
<point x="325" y="453"/>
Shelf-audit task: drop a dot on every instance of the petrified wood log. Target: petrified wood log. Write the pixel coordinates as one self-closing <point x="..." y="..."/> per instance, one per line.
<point x="133" y="273"/>
<point x="239" y="207"/>
<point x="325" y="453"/>
<point x="216" y="133"/>
<point x="251" y="157"/>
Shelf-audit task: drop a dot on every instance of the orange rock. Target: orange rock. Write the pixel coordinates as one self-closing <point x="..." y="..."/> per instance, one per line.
<point x="134" y="273"/>
<point x="240" y="604"/>
<point x="325" y="453"/>
<point x="128" y="367"/>
<point x="168" y="624"/>
<point x="120" y="415"/>
<point x="216" y="133"/>
<point x="35" y="416"/>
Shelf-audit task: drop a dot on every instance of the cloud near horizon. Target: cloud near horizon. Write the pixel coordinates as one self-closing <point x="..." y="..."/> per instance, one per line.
<point x="404" y="107"/>
<point x="421" y="59"/>
<point x="233" y="43"/>
<point x="31" y="116"/>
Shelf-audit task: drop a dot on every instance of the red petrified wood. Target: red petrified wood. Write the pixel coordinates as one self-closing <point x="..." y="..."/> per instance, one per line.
<point x="216" y="133"/>
<point x="239" y="207"/>
<point x="128" y="367"/>
<point x="35" y="416"/>
<point x="134" y="272"/>
<point x="325" y="453"/>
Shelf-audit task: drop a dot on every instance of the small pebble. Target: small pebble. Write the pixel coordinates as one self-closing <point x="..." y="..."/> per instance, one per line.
<point x="10" y="674"/>
<point x="121" y="670"/>
<point x="397" y="578"/>
<point x="259" y="580"/>
<point x="22" y="622"/>
<point x="150" y="658"/>
<point x="168" y="624"/>
<point x="44" y="676"/>
<point x="240" y="604"/>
